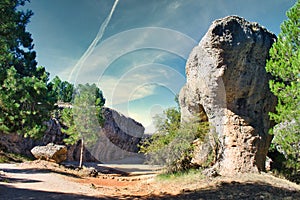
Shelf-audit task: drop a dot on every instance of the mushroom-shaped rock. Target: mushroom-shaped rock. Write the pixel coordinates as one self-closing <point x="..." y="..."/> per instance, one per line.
<point x="228" y="84"/>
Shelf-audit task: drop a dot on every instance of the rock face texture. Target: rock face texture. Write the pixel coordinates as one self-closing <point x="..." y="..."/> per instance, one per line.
<point x="118" y="139"/>
<point x="51" y="152"/>
<point x="18" y="144"/>
<point x="228" y="86"/>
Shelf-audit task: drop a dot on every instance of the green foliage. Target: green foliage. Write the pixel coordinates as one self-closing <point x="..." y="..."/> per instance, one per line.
<point x="15" y="42"/>
<point x="284" y="65"/>
<point x="84" y="119"/>
<point x="169" y="122"/>
<point x="67" y="120"/>
<point x="12" y="157"/>
<point x="24" y="100"/>
<point x="171" y="145"/>
<point x="61" y="90"/>
<point x="24" y="104"/>
<point x="166" y="126"/>
<point x="181" y="175"/>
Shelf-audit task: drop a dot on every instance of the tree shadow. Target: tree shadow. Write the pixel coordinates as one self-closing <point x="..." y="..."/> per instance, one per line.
<point x="67" y="166"/>
<point x="129" y="169"/>
<point x="17" y="180"/>
<point x="38" y="171"/>
<point x="233" y="190"/>
<point x="11" y="193"/>
<point x="105" y="169"/>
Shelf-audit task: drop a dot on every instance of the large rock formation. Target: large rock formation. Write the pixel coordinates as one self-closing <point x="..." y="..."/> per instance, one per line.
<point x="16" y="143"/>
<point x="118" y="139"/>
<point x="227" y="84"/>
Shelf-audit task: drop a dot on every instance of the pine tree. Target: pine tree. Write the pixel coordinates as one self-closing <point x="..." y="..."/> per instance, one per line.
<point x="62" y="90"/>
<point x="25" y="103"/>
<point x="84" y="119"/>
<point x="284" y="65"/>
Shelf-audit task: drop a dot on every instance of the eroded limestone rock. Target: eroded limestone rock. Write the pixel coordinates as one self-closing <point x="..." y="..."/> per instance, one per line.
<point x="228" y="84"/>
<point x="118" y="138"/>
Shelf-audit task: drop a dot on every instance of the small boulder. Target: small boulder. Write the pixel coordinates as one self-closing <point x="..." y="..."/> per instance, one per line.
<point x="50" y="152"/>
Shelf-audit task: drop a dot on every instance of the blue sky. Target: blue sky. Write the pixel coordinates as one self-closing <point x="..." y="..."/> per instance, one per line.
<point x="139" y="61"/>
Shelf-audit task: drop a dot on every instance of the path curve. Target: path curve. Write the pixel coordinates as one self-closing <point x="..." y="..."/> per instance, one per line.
<point x="29" y="183"/>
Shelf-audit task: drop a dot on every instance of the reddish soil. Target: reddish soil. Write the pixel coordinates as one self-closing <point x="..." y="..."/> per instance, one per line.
<point x="43" y="180"/>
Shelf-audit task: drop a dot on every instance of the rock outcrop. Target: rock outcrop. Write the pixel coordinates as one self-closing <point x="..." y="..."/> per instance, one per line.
<point x="227" y="84"/>
<point x="50" y="152"/>
<point x="15" y="143"/>
<point x="118" y="139"/>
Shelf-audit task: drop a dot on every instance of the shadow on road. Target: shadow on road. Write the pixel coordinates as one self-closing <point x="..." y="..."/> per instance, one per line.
<point x="233" y="190"/>
<point x="37" y="171"/>
<point x="17" y="180"/>
<point x="11" y="193"/>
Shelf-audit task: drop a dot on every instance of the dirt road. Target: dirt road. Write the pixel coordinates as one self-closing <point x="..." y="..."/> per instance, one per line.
<point x="29" y="183"/>
<point x="44" y="180"/>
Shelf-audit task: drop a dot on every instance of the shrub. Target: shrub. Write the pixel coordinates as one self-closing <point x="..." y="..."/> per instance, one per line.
<point x="172" y="144"/>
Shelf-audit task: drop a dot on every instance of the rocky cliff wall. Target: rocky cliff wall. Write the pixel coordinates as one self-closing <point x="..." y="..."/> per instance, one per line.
<point x="118" y="138"/>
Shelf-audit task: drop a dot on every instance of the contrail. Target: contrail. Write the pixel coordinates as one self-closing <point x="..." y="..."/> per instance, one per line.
<point x="92" y="46"/>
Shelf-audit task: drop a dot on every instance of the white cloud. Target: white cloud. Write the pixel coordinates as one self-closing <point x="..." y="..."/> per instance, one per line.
<point x="144" y="76"/>
<point x="141" y="92"/>
<point x="139" y="82"/>
<point x="144" y="38"/>
<point x="174" y="6"/>
<point x="118" y="92"/>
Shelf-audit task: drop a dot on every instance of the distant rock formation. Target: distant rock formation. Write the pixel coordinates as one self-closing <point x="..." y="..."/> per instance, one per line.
<point x="118" y="139"/>
<point x="227" y="83"/>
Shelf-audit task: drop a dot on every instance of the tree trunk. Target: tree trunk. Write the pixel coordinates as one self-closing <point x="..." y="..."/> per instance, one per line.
<point x="81" y="154"/>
